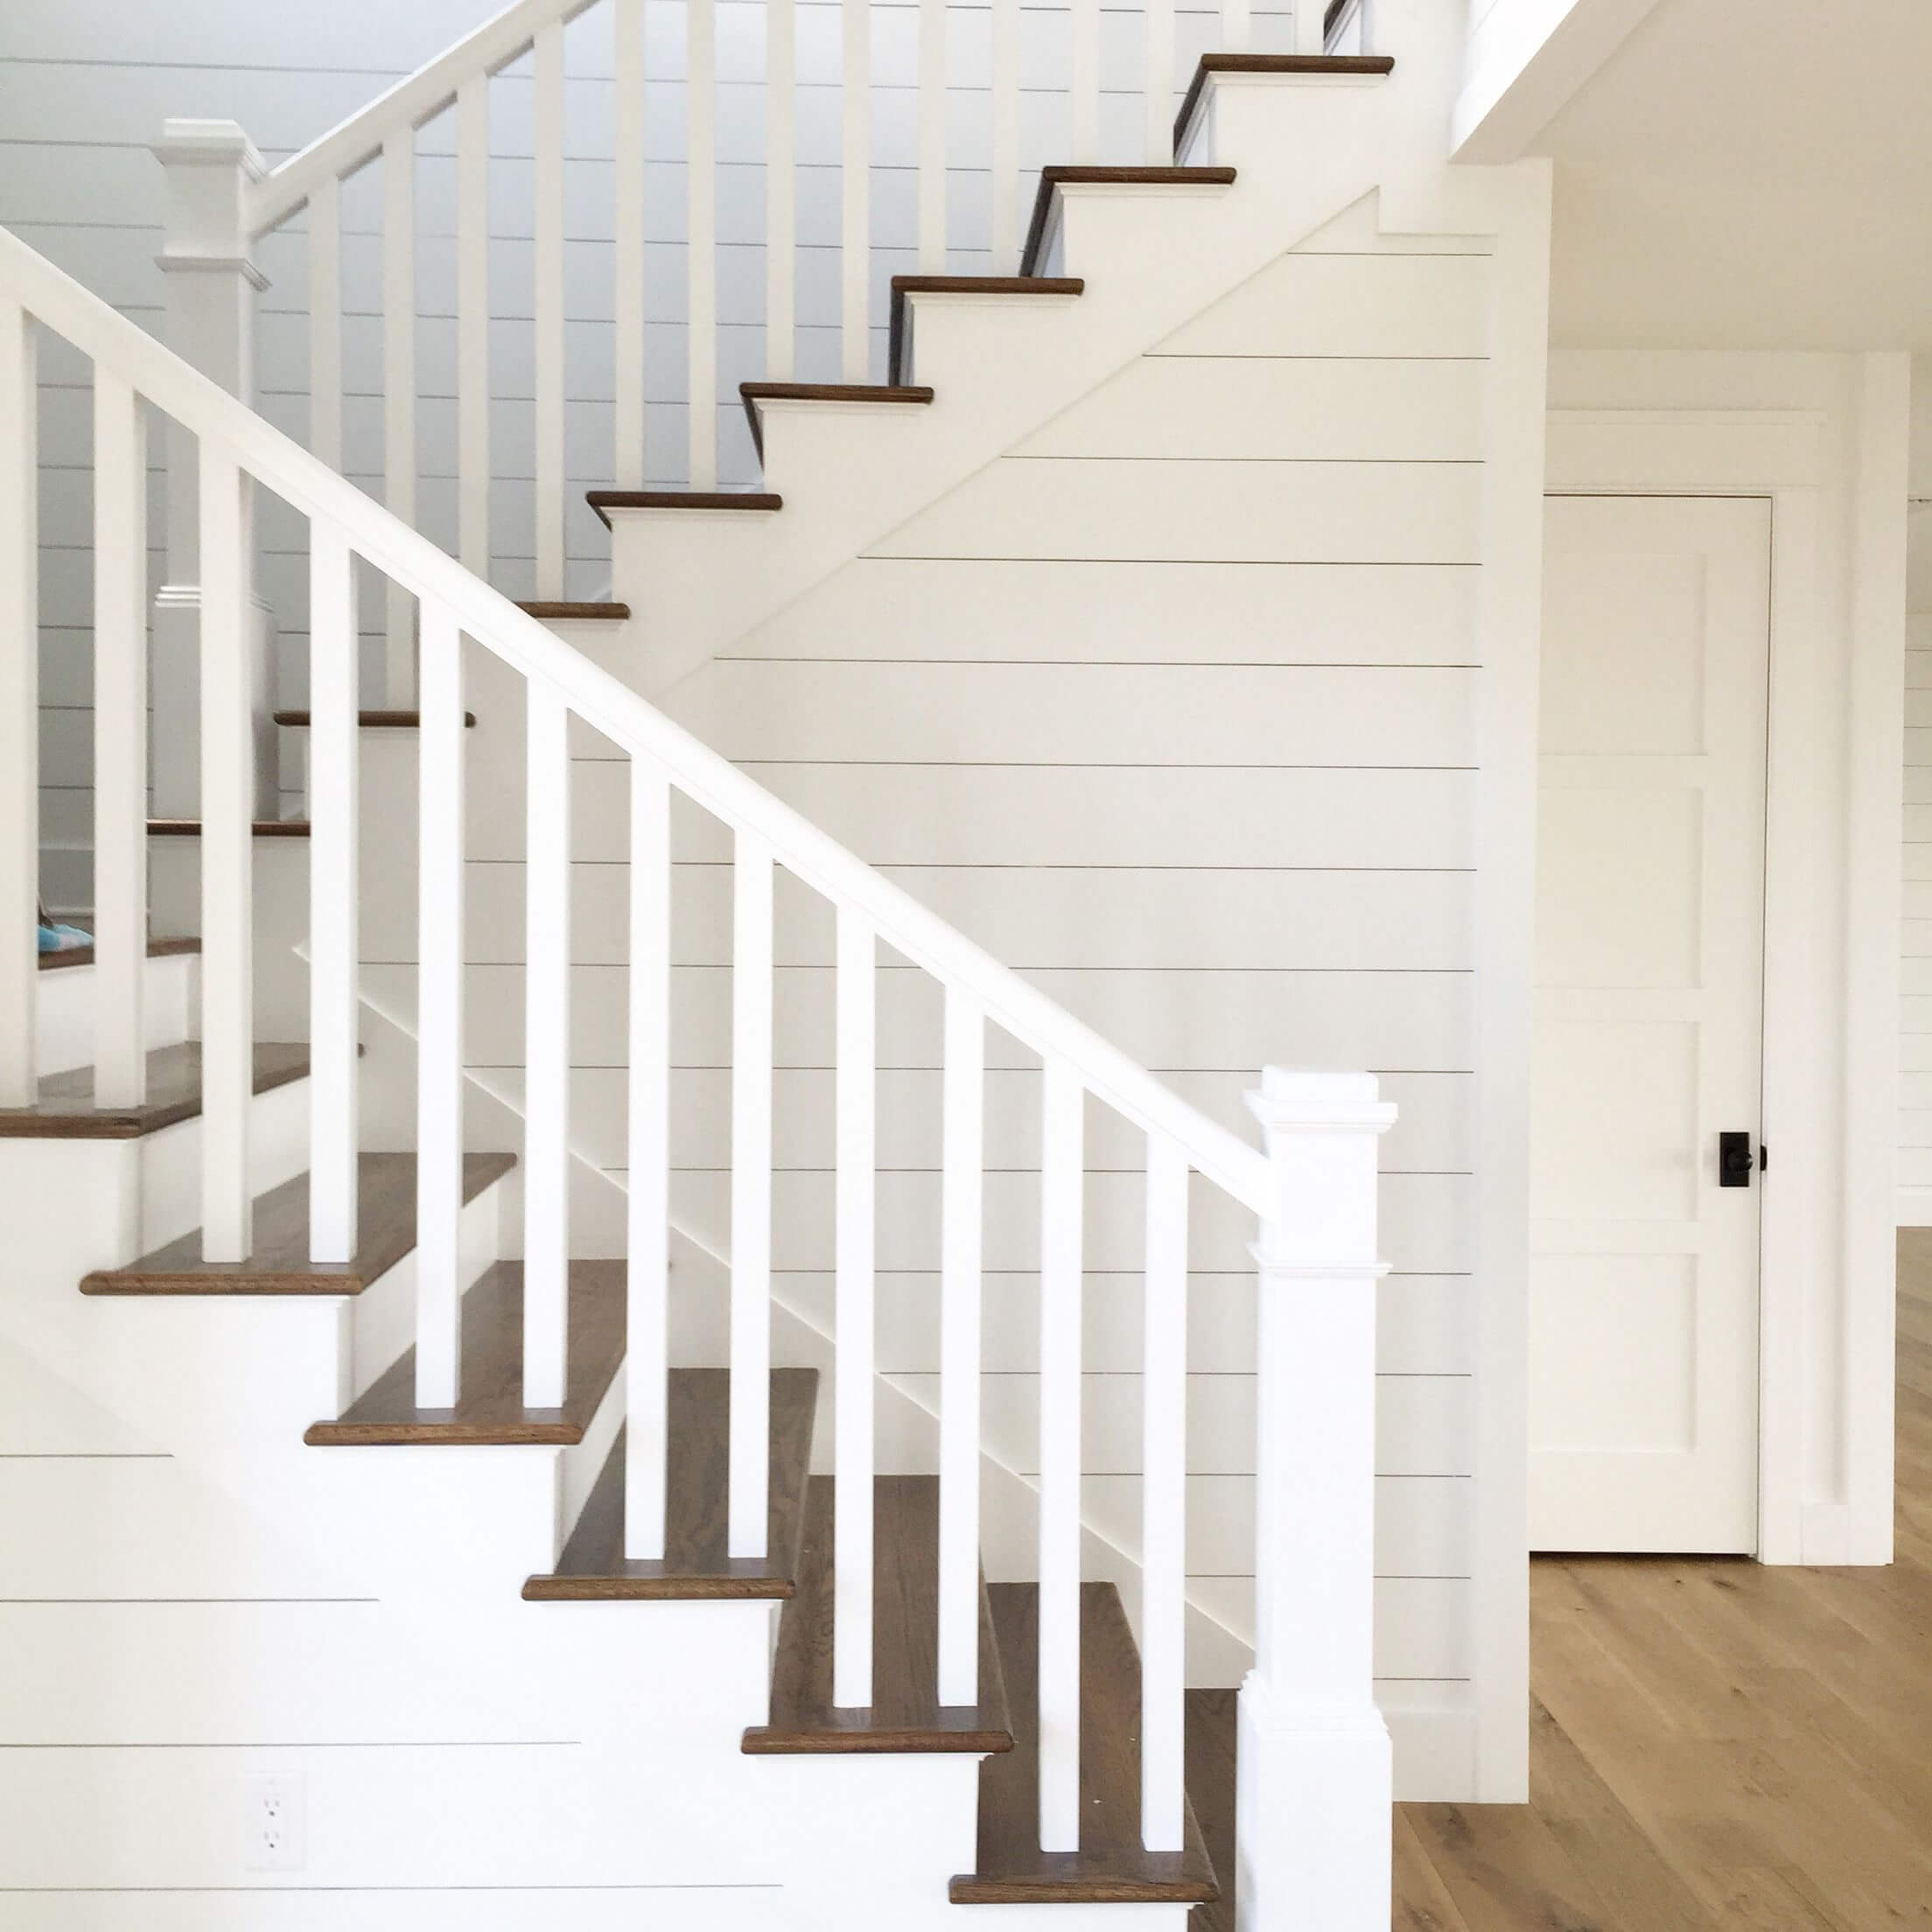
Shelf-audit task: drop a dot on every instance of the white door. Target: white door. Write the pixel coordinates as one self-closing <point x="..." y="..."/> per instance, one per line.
<point x="1643" y="1318"/>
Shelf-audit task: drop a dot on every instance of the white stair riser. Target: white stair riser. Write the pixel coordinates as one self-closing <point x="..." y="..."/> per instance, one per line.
<point x="281" y="913"/>
<point x="65" y="1009"/>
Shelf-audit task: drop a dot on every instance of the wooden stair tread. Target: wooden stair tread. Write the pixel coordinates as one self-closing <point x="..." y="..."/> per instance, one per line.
<point x="1110" y="1865"/>
<point x="604" y="502"/>
<point x="904" y="285"/>
<point x="1341" y="64"/>
<point x="555" y="612"/>
<point x="83" y="955"/>
<point x="490" y="1410"/>
<point x="385" y="1232"/>
<point x="66" y="1110"/>
<point x="1213" y="1722"/>
<point x="401" y="721"/>
<point x="262" y="827"/>
<point x="755" y="393"/>
<point x="695" y="1564"/>
<point x="905" y="1714"/>
<point x="1051" y="179"/>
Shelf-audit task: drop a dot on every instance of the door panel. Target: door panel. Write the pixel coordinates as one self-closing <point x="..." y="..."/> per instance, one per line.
<point x="1643" y="1317"/>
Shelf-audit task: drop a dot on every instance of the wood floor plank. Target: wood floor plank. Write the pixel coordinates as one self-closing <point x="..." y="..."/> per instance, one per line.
<point x="696" y="1563"/>
<point x="491" y="1407"/>
<point x="280" y="1264"/>
<point x="66" y="1110"/>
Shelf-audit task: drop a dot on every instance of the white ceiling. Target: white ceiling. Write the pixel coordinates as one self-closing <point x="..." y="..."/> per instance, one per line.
<point x="1737" y="176"/>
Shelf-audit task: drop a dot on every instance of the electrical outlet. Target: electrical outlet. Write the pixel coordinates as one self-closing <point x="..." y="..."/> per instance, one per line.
<point x="274" y="1822"/>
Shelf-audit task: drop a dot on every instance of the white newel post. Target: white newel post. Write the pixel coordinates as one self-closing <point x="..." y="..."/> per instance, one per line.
<point x="1313" y="1767"/>
<point x="210" y="285"/>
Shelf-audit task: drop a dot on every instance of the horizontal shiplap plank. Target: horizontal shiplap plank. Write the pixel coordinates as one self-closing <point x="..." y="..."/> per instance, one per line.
<point x="1229" y="513"/>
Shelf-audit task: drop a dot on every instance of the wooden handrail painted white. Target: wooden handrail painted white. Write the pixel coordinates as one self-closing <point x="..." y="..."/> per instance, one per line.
<point x="614" y="709"/>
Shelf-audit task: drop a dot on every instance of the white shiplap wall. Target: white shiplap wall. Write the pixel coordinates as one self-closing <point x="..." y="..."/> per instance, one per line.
<point x="85" y="87"/>
<point x="1915" y="947"/>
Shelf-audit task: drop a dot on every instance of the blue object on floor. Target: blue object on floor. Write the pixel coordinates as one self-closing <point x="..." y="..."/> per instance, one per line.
<point x="64" y="939"/>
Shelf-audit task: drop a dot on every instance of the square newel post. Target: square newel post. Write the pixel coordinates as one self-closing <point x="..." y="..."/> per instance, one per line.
<point x="210" y="284"/>
<point x="1313" y="1766"/>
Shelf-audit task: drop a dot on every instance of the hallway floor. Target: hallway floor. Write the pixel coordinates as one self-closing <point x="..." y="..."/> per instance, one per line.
<point x="1715" y="1744"/>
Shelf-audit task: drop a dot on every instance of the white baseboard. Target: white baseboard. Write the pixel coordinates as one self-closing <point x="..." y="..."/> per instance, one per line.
<point x="1914" y="1208"/>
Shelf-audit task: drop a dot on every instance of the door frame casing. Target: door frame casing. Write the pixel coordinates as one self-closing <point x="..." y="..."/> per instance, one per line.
<point x="1835" y="481"/>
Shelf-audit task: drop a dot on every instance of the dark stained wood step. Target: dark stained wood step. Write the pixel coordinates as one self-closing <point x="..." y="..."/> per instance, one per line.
<point x="280" y="1264"/>
<point x="904" y="285"/>
<point x="905" y="1714"/>
<point x="756" y="393"/>
<point x="555" y="612"/>
<point x="374" y="721"/>
<point x="262" y="827"/>
<point x="83" y="955"/>
<point x="66" y="1110"/>
<point x="1340" y="65"/>
<point x="1051" y="179"/>
<point x="1212" y="1724"/>
<point x="1110" y="1865"/>
<point x="593" y="1566"/>
<point x="604" y="502"/>
<point x="490" y="1410"/>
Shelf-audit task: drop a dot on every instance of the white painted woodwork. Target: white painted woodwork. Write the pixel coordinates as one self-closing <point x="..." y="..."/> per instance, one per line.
<point x="472" y="323"/>
<point x="932" y="136"/>
<point x="228" y="816"/>
<point x="335" y="896"/>
<point x="325" y="225"/>
<point x="781" y="189"/>
<point x="855" y="203"/>
<point x="750" y="1451"/>
<point x="1163" y="1537"/>
<point x="1649" y="975"/>
<point x="1083" y="86"/>
<point x="1157" y="89"/>
<point x="20" y="704"/>
<point x="960" y="1208"/>
<point x="1004" y="138"/>
<point x="648" y="1154"/>
<point x="440" y="1010"/>
<point x="120" y="741"/>
<point x="546" y="1053"/>
<point x="1308" y="21"/>
<point x="701" y="242"/>
<point x="630" y="288"/>
<point x="852" y="1426"/>
<point x="399" y="379"/>
<point x="548" y="295"/>
<point x="1062" y="1106"/>
<point x="1314" y="1795"/>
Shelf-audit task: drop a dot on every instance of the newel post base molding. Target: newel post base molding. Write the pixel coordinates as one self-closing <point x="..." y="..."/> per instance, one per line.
<point x="1315" y="1779"/>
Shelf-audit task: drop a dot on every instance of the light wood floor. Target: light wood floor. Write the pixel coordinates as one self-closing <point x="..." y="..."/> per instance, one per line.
<point x="1715" y="1744"/>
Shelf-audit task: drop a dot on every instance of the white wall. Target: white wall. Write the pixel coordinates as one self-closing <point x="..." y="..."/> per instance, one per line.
<point x="1916" y="929"/>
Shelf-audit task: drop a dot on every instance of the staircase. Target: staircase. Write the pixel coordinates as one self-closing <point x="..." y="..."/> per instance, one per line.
<point x="774" y="1651"/>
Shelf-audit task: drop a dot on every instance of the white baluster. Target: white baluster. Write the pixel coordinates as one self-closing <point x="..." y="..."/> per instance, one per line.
<point x="1061" y="1181"/>
<point x="547" y="1051"/>
<point x="1235" y="25"/>
<point x="334" y="818"/>
<point x="1159" y="84"/>
<point x="325" y="322"/>
<point x="701" y="264"/>
<point x="1084" y="85"/>
<point x="20" y="704"/>
<point x="932" y="136"/>
<point x="399" y="392"/>
<point x="855" y="240"/>
<point x="227" y="817"/>
<point x="1315" y="1782"/>
<point x="628" y="32"/>
<point x="548" y="300"/>
<point x="647" y="1238"/>
<point x="1004" y="138"/>
<point x="857" y="1107"/>
<point x="120" y="741"/>
<point x="472" y="323"/>
<point x="439" y="1015"/>
<point x="963" y="1123"/>
<point x="1309" y="31"/>
<point x="751" y="1193"/>
<point x="780" y="188"/>
<point x="1164" y="1490"/>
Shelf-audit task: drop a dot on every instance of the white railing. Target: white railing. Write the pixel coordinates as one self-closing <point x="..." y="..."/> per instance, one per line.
<point x="607" y="336"/>
<point x="1313" y="1191"/>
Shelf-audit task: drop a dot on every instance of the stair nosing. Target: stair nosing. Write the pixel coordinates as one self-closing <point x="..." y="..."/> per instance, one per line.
<point x="137" y="1122"/>
<point x="752" y="394"/>
<point x="1052" y="179"/>
<point x="84" y="956"/>
<point x="1356" y="66"/>
<point x="604" y="502"/>
<point x="903" y="285"/>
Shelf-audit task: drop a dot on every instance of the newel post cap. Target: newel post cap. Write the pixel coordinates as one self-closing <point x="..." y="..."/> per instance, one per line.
<point x="209" y="144"/>
<point x="1309" y="1100"/>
